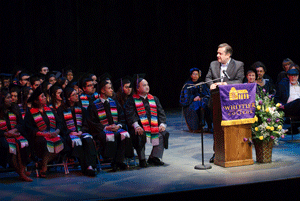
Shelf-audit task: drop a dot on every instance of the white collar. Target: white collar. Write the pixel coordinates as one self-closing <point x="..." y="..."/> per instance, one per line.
<point x="103" y="100"/>
<point x="226" y="63"/>
<point x="144" y="97"/>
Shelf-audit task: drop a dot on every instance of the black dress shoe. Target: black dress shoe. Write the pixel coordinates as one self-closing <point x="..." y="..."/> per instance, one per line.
<point x="143" y="163"/>
<point x="122" y="166"/>
<point x="212" y="159"/>
<point x="155" y="161"/>
<point x="90" y="172"/>
<point x="114" y="167"/>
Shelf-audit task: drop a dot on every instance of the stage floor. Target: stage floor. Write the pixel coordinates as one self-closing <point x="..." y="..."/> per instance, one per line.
<point x="178" y="175"/>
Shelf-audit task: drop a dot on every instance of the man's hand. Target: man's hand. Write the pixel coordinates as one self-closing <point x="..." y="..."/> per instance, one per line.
<point x="112" y="127"/>
<point x="214" y="85"/>
<point x="139" y="131"/>
<point x="161" y="128"/>
<point x="197" y="98"/>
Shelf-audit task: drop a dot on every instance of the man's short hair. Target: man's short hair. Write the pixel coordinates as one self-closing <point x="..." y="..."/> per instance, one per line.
<point x="228" y="48"/>
<point x="85" y="81"/>
<point x="33" y="79"/>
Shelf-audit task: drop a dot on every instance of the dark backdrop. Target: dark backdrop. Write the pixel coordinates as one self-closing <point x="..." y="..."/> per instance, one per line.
<point x="163" y="39"/>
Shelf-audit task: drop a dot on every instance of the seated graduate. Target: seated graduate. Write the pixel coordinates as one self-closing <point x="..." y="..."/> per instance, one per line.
<point x="24" y="104"/>
<point x="89" y="95"/>
<point x="125" y="91"/>
<point x="196" y="99"/>
<point x="43" y="129"/>
<point x="262" y="81"/>
<point x="35" y="82"/>
<point x="46" y="86"/>
<point x="14" y="146"/>
<point x="62" y="82"/>
<point x="286" y="63"/>
<point x="57" y="97"/>
<point x="75" y="132"/>
<point x="145" y="114"/>
<point x="106" y="120"/>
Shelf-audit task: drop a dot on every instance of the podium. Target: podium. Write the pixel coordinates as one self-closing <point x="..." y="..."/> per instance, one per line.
<point x="230" y="149"/>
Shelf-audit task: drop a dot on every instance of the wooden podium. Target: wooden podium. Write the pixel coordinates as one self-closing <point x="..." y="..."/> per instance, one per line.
<point x="230" y="149"/>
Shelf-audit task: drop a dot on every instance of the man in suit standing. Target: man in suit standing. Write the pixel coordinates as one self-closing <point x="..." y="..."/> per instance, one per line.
<point x="224" y="64"/>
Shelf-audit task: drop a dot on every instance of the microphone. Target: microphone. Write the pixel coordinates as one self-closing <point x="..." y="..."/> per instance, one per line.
<point x="225" y="73"/>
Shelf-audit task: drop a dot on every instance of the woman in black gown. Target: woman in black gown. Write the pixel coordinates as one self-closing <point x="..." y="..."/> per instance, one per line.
<point x="13" y="142"/>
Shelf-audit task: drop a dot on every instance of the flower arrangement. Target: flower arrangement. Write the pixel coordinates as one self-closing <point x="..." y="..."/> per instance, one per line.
<point x="268" y="118"/>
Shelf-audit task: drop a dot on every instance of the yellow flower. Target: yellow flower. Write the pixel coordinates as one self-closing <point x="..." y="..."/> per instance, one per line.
<point x="261" y="137"/>
<point x="256" y="128"/>
<point x="278" y="105"/>
<point x="267" y="110"/>
<point x="258" y="107"/>
<point x="279" y="127"/>
<point x="255" y="118"/>
<point x="272" y="128"/>
<point x="268" y="127"/>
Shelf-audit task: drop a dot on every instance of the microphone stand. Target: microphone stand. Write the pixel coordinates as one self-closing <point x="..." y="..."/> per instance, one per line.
<point x="201" y="83"/>
<point x="203" y="166"/>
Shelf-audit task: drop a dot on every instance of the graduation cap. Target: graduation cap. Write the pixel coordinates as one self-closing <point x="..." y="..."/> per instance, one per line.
<point x="137" y="78"/>
<point x="122" y="81"/>
<point x="103" y="80"/>
<point x="15" y="88"/>
<point x="6" y="76"/>
<point x="82" y="78"/>
<point x="54" y="88"/>
<point x="36" y="93"/>
<point x="55" y="74"/>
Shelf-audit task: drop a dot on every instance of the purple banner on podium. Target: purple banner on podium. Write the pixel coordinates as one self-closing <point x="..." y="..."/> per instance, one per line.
<point x="237" y="103"/>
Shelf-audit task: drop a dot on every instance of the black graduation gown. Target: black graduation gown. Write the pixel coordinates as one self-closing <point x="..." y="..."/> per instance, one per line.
<point x="38" y="144"/>
<point x="132" y="116"/>
<point x="86" y="153"/>
<point x="4" y="147"/>
<point x="116" y="149"/>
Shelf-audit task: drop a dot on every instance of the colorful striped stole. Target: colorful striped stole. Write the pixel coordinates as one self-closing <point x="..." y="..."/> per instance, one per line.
<point x="12" y="119"/>
<point x="110" y="136"/>
<point x="23" y="112"/>
<point x="101" y="111"/>
<point x="70" y="121"/>
<point x="12" y="141"/>
<point x="76" y="141"/>
<point x="151" y="129"/>
<point x="54" y="145"/>
<point x="85" y="99"/>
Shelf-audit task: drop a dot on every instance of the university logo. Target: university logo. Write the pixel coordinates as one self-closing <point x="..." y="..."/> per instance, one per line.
<point x="238" y="94"/>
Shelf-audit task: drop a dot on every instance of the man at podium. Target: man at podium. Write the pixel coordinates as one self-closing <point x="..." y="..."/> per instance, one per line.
<point x="228" y="70"/>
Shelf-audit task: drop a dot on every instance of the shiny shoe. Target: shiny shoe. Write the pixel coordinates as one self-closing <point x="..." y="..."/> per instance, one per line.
<point x="143" y="163"/>
<point x="155" y="161"/>
<point x="122" y="166"/>
<point x="114" y="167"/>
<point x="212" y="159"/>
<point x="90" y="172"/>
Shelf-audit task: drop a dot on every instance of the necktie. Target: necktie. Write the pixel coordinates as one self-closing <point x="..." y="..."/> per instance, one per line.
<point x="108" y="112"/>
